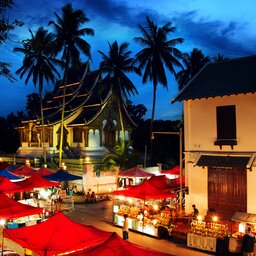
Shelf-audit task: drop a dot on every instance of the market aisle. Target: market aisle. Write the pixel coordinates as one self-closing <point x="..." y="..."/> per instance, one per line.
<point x="100" y="216"/>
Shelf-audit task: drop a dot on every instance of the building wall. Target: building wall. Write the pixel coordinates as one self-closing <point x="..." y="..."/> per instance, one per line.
<point x="200" y="132"/>
<point x="200" y="123"/>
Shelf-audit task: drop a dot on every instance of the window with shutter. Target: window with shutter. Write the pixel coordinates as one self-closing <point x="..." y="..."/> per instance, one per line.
<point x="226" y="126"/>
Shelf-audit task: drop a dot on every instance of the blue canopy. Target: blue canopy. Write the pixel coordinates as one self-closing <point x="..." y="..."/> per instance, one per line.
<point x="10" y="176"/>
<point x="61" y="175"/>
<point x="11" y="167"/>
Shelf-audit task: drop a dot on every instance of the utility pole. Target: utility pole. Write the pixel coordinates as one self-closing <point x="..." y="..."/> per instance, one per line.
<point x="179" y="133"/>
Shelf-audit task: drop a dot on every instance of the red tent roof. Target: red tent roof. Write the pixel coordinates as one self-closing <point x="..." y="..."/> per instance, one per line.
<point x="4" y="165"/>
<point x="116" y="246"/>
<point x="36" y="181"/>
<point x="7" y="186"/>
<point x="10" y="209"/>
<point x="135" y="172"/>
<point x="24" y="171"/>
<point x="45" y="171"/>
<point x="160" y="182"/>
<point x="57" y="235"/>
<point x="145" y="191"/>
<point x="174" y="171"/>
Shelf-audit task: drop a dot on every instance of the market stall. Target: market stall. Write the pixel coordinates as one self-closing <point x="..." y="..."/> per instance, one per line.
<point x="206" y="235"/>
<point x="132" y="177"/>
<point x="38" y="191"/>
<point x="17" y="213"/>
<point x="149" y="209"/>
<point x="57" y="235"/>
<point x="242" y="221"/>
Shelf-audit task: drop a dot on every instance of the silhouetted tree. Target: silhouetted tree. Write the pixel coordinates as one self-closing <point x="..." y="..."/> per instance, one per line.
<point x="115" y="65"/>
<point x="193" y="62"/>
<point x="5" y="27"/>
<point x="160" y="53"/>
<point x="38" y="64"/>
<point x="69" y="42"/>
<point x="32" y="107"/>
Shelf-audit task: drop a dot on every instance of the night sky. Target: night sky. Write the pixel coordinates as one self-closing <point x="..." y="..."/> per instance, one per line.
<point x="226" y="27"/>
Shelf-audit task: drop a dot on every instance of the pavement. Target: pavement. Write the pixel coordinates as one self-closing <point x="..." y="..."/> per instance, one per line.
<point x="100" y="215"/>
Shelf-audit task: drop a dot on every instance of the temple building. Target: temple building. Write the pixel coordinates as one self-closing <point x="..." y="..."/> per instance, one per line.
<point x="91" y="119"/>
<point x="91" y="123"/>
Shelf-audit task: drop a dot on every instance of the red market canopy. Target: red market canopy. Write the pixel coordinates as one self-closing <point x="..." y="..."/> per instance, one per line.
<point x="174" y="171"/>
<point x="160" y="182"/>
<point x="10" y="209"/>
<point x="175" y="183"/>
<point x="45" y="171"/>
<point x="4" y="165"/>
<point x="36" y="181"/>
<point x="24" y="171"/>
<point x="116" y="246"/>
<point x="145" y="191"/>
<point x="135" y="172"/>
<point x="57" y="235"/>
<point x="6" y="186"/>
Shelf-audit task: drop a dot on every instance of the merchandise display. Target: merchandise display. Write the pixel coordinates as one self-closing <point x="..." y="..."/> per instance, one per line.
<point x="144" y="216"/>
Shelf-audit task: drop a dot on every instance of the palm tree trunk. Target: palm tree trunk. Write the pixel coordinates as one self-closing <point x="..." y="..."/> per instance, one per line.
<point x="121" y="120"/>
<point x="152" y="122"/>
<point x="63" y="112"/>
<point x="42" y="120"/>
<point x="62" y="128"/>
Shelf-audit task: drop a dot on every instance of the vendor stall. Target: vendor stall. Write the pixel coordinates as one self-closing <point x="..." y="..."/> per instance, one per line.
<point x="146" y="207"/>
<point x="241" y="220"/>
<point x="205" y="235"/>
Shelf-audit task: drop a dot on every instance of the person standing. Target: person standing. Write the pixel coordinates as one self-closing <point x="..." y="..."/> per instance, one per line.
<point x="248" y="243"/>
<point x="125" y="228"/>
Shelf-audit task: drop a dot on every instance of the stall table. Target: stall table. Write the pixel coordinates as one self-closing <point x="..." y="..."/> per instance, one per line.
<point x="202" y="242"/>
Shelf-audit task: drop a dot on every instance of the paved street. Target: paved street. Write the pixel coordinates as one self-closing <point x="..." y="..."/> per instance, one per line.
<point x="100" y="216"/>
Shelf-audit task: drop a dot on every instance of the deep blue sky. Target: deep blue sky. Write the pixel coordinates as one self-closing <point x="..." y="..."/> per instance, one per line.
<point x="224" y="27"/>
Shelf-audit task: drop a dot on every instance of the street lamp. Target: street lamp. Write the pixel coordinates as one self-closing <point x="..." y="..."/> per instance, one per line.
<point x="179" y="133"/>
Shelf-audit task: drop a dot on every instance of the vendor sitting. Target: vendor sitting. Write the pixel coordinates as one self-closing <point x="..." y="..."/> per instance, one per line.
<point x="195" y="212"/>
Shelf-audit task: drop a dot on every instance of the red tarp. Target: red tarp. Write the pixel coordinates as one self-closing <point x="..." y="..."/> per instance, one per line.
<point x="174" y="171"/>
<point x="6" y="186"/>
<point x="145" y="191"/>
<point x="116" y="246"/>
<point x="10" y="209"/>
<point x="24" y="171"/>
<point x="135" y="172"/>
<point x="57" y="235"/>
<point x="36" y="181"/>
<point x="4" y="165"/>
<point x="160" y="182"/>
<point x="45" y="171"/>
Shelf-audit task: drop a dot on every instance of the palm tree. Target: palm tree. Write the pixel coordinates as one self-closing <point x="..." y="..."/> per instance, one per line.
<point x="116" y="64"/>
<point x="159" y="53"/>
<point x="123" y="157"/>
<point x="38" y="64"/>
<point x="193" y="62"/>
<point x="219" y="57"/>
<point x="68" y="41"/>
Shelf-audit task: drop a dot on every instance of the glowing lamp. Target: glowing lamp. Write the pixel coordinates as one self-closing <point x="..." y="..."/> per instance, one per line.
<point x="215" y="218"/>
<point x="155" y="207"/>
<point x="115" y="208"/>
<point x="199" y="218"/>
<point x="241" y="227"/>
<point x="2" y="222"/>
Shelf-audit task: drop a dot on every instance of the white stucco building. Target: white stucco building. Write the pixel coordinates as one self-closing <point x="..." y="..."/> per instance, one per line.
<point x="220" y="137"/>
